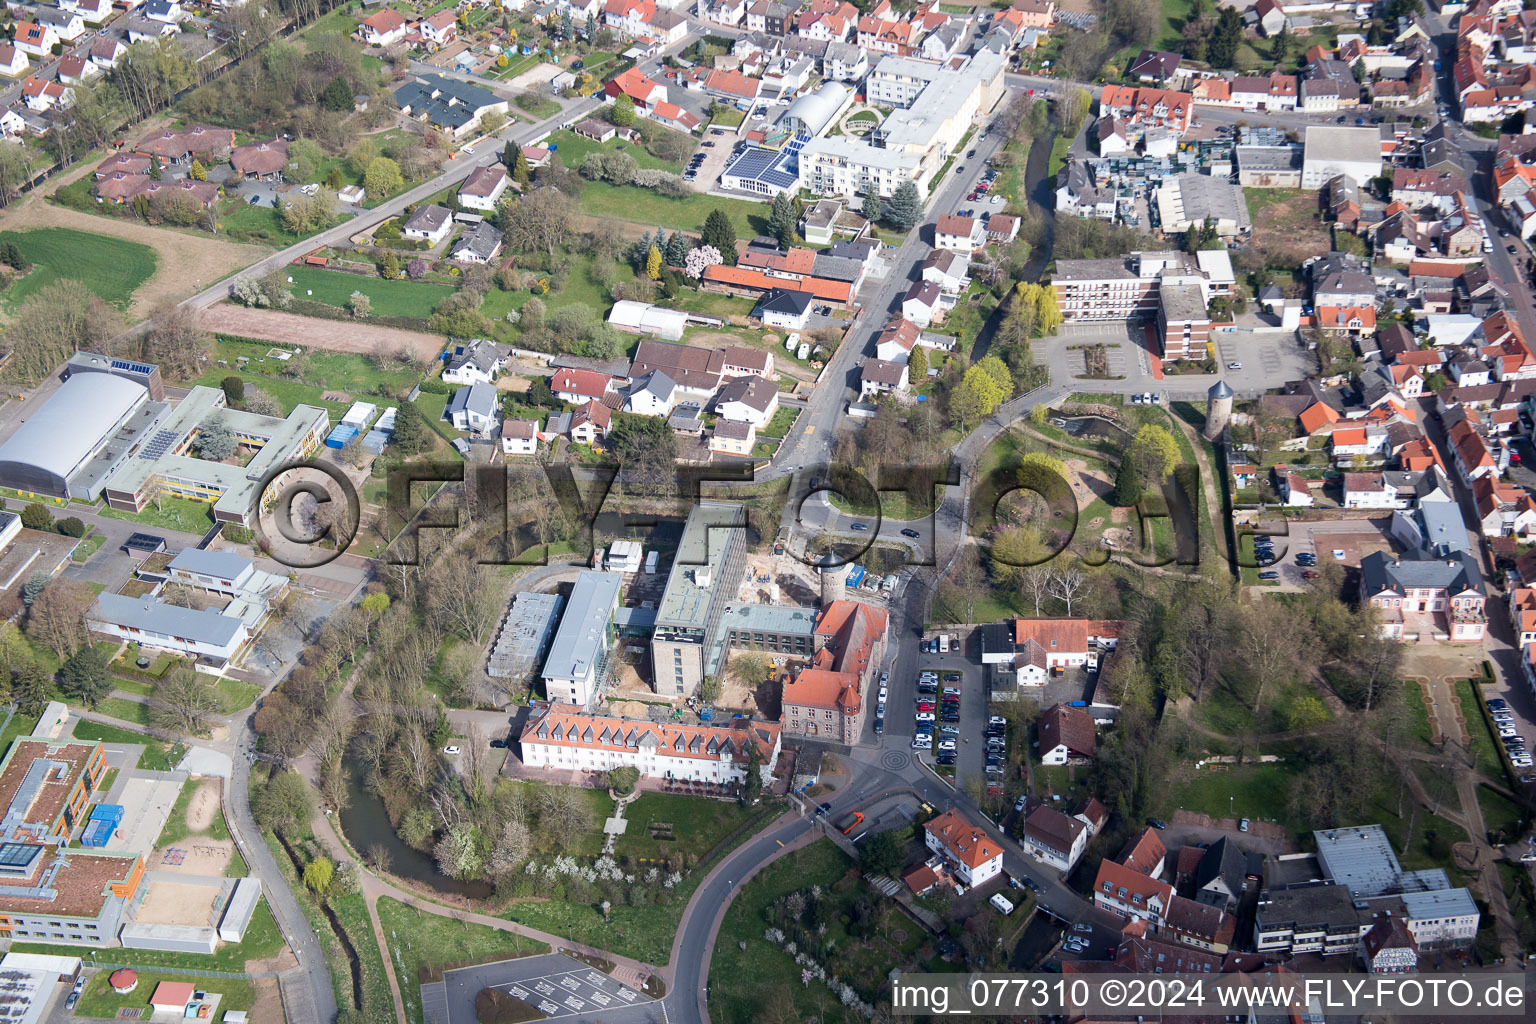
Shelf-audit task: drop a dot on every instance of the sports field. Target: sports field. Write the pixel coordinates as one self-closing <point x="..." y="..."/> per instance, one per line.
<point x="110" y="267"/>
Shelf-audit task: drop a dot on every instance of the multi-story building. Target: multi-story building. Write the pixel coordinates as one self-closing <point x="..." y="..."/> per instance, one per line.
<point x="972" y="856"/>
<point x="826" y="699"/>
<point x="560" y="737"/>
<point x="1313" y="919"/>
<point x="1132" y="288"/>
<point x="52" y="892"/>
<point x="1054" y="838"/>
<point x="1131" y="894"/>
<point x="1421" y="593"/>
<point x="577" y="665"/>
<point x="690" y="638"/>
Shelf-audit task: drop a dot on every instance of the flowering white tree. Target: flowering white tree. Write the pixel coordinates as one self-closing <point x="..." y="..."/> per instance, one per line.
<point x="700" y="260"/>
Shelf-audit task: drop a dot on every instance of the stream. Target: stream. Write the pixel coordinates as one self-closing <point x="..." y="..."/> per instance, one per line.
<point x="365" y="824"/>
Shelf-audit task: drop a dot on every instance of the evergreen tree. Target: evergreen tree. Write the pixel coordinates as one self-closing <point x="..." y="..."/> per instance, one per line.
<point x="521" y="172"/>
<point x="873" y="209"/>
<point x="337" y="95"/>
<point x="677" y="249"/>
<point x="653" y="263"/>
<point x="721" y="233"/>
<point x="389" y="268"/>
<point x="1127" y="486"/>
<point x="509" y="154"/>
<point x="905" y="208"/>
<point x="781" y="220"/>
<point x="917" y="365"/>
<point x="1227" y="37"/>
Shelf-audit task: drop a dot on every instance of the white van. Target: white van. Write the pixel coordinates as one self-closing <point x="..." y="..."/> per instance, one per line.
<point x="1001" y="902"/>
<point x="943" y="643"/>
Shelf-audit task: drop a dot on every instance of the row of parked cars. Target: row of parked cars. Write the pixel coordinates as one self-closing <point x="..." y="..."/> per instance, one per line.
<point x="1514" y="743"/>
<point x="936" y="707"/>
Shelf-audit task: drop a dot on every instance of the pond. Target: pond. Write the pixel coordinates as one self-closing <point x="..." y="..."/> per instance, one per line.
<point x="1083" y="426"/>
<point x="366" y="825"/>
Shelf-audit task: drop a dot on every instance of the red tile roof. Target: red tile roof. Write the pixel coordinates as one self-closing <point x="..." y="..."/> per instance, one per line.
<point x="965" y="841"/>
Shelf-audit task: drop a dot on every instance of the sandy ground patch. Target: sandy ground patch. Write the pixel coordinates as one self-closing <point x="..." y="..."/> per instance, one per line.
<point x="312" y="332"/>
<point x="1088" y="484"/>
<point x="536" y="75"/>
<point x="182" y="903"/>
<point x="269" y="1002"/>
<point x="204" y="806"/>
<point x="184" y="263"/>
<point x="200" y="856"/>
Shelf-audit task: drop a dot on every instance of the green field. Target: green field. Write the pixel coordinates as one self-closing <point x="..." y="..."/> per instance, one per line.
<point x="390" y="298"/>
<point x="573" y="149"/>
<point x="157" y="756"/>
<point x="110" y="267"/>
<point x="643" y="206"/>
<point x="181" y="514"/>
<point x="420" y="942"/>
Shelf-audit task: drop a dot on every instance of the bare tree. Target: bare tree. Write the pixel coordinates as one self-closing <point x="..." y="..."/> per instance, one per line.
<point x="1067" y="582"/>
<point x="1271" y="641"/>
<point x="57" y="617"/>
<point x="563" y="815"/>
<point x="478" y="766"/>
<point x="513" y="845"/>
<point x="184" y="702"/>
<point x="1035" y="580"/>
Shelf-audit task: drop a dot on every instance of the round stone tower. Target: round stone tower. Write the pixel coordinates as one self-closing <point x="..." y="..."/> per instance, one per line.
<point x="834" y="578"/>
<point x="1220" y="410"/>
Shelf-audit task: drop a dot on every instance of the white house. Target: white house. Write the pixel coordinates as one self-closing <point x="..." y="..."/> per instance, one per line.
<point x="34" y="39"/>
<point x="439" y="29"/>
<point x="1054" y="838"/>
<point x="519" y="437"/>
<point x="1066" y="734"/>
<point x="923" y="303"/>
<point x="579" y="387"/>
<point x="948" y="269"/>
<point x="749" y="399"/>
<point x="960" y="234"/>
<point x="1130" y="894"/>
<point x="970" y="853"/>
<point x="1037" y="649"/>
<point x="483" y="189"/>
<point x="473" y="409"/>
<point x="13" y="62"/>
<point x="386" y="28"/>
<point x="67" y="24"/>
<point x="475" y="362"/>
<point x="785" y="308"/>
<point x="897" y="340"/>
<point x="881" y="378"/>
<point x="168" y="11"/>
<point x="655" y="394"/>
<point x="1292" y="488"/>
<point x="429" y="223"/>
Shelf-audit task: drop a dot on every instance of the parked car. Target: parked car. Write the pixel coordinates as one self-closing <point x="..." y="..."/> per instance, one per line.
<point x="923" y="716"/>
<point x="1243" y="825"/>
<point x="1018" y="805"/>
<point x="1157" y="823"/>
<point x="1234" y="365"/>
<point x="451" y="750"/>
<point x="1271" y="575"/>
<point x="1311" y="574"/>
<point x="860" y="527"/>
<point x="910" y="533"/>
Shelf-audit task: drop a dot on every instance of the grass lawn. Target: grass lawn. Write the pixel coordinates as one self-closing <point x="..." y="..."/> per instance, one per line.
<point x="1418" y="714"/>
<point x="421" y="942"/>
<point x="98" y="999"/>
<point x="698" y="825"/>
<point x="574" y="149"/>
<point x="110" y="267"/>
<point x="580" y="288"/>
<point x="644" y="206"/>
<point x="137" y="686"/>
<point x="157" y="756"/>
<point x="1500" y="814"/>
<point x="741" y="979"/>
<point x="261" y="225"/>
<point x="88" y="547"/>
<point x="19" y="725"/>
<point x="180" y="514"/>
<point x="176" y="824"/>
<point x="781" y="423"/>
<point x="1489" y="761"/>
<point x="1249" y="790"/>
<point x="390" y="298"/>
<point x="235" y="694"/>
<point x="335" y="371"/>
<point x="127" y="710"/>
<point x="262" y="940"/>
<point x="728" y="117"/>
<point x="1059" y="150"/>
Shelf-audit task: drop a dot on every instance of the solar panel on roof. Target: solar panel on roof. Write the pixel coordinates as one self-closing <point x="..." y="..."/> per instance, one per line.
<point x="132" y="367"/>
<point x="158" y="445"/>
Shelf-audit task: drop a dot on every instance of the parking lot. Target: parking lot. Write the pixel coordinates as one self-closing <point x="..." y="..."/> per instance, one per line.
<point x="1345" y="541"/>
<point x="556" y="986"/>
<point x="714" y="158"/>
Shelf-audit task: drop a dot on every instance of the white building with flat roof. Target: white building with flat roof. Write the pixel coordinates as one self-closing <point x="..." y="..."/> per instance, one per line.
<point x="578" y="657"/>
<point x="1338" y="149"/>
